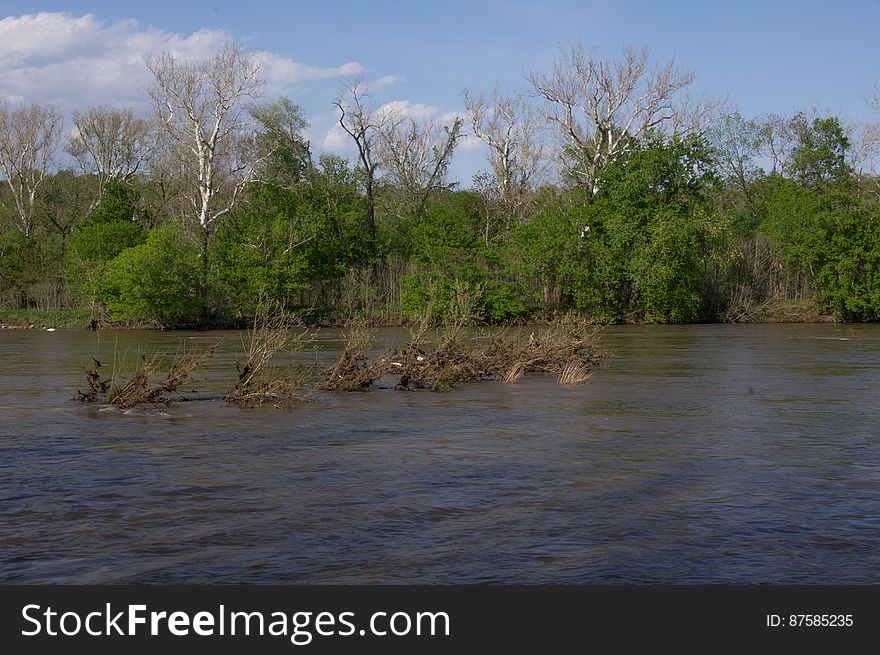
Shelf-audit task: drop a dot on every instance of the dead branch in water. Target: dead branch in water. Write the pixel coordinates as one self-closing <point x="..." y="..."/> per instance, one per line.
<point x="569" y="341"/>
<point x="272" y="331"/>
<point x="98" y="386"/>
<point x="140" y="389"/>
<point x="353" y="371"/>
<point x="451" y="363"/>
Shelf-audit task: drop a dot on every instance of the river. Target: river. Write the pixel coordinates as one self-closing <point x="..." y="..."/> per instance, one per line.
<point x="699" y="454"/>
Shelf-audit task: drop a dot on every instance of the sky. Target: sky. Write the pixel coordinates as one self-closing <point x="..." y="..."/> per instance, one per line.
<point x="770" y="56"/>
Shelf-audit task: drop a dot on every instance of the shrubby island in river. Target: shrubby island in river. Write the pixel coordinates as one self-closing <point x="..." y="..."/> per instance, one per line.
<point x="608" y="191"/>
<point x="436" y="357"/>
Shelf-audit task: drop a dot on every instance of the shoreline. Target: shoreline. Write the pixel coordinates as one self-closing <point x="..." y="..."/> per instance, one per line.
<point x="71" y="320"/>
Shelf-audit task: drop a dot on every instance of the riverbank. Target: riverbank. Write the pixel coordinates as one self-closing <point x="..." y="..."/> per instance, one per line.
<point x="41" y="319"/>
<point x="82" y="319"/>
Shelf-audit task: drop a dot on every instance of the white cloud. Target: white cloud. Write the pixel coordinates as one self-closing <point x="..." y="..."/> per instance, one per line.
<point x="471" y="143"/>
<point x="77" y="61"/>
<point x="337" y="141"/>
<point x="282" y="72"/>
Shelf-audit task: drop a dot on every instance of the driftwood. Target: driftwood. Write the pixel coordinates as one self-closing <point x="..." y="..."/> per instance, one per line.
<point x="445" y="367"/>
<point x="567" y="347"/>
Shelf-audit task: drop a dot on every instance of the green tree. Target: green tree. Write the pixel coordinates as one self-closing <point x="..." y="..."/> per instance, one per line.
<point x="287" y="238"/>
<point x="819" y="156"/>
<point x="452" y="260"/>
<point x="261" y="249"/>
<point x="824" y="233"/>
<point x="660" y="230"/>
<point x="285" y="154"/>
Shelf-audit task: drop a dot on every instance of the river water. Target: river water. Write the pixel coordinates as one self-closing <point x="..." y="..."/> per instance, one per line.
<point x="700" y="454"/>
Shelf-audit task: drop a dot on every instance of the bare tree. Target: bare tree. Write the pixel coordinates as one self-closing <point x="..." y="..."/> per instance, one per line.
<point x="603" y="106"/>
<point x="416" y="154"/>
<point x="200" y="107"/>
<point x="510" y="128"/>
<point x="866" y="143"/>
<point x="110" y="142"/>
<point x="777" y="140"/>
<point x="737" y="143"/>
<point x="29" y="137"/>
<point x="358" y="118"/>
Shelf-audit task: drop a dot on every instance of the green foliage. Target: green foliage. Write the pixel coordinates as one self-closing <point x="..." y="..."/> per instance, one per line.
<point x="258" y="250"/>
<point x="504" y="301"/>
<point x="285" y="238"/>
<point x="451" y="255"/>
<point x="64" y="200"/>
<point x="109" y="230"/>
<point x="670" y="269"/>
<point x="120" y="202"/>
<point x="285" y="153"/>
<point x="425" y="296"/>
<point x="22" y="264"/>
<point x="654" y="234"/>
<point x="642" y="247"/>
<point x="820" y="152"/>
<point x="70" y="319"/>
<point x="156" y="282"/>
<point x="825" y="232"/>
<point x="849" y="276"/>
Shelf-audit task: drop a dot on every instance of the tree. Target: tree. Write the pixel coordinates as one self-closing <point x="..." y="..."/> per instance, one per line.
<point x="284" y="153"/>
<point x="820" y="150"/>
<point x="110" y="229"/>
<point x="155" y="282"/>
<point x="361" y="122"/>
<point x="736" y="143"/>
<point x="776" y="140"/>
<point x="655" y="219"/>
<point x="604" y="107"/>
<point x="200" y="107"/>
<point x="64" y="203"/>
<point x="262" y="248"/>
<point x="111" y="143"/>
<point x="415" y="154"/>
<point x="509" y="126"/>
<point x="28" y="140"/>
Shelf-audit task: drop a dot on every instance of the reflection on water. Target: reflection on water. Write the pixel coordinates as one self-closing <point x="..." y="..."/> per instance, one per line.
<point x="701" y="454"/>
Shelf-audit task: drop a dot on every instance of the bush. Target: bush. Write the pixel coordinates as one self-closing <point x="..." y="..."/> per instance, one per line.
<point x="92" y="246"/>
<point x="156" y="282"/>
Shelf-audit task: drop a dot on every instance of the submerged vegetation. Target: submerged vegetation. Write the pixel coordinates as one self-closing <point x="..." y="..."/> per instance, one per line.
<point x="606" y="192"/>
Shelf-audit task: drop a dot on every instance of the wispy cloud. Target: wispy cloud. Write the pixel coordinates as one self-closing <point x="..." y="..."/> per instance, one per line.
<point x="385" y="80"/>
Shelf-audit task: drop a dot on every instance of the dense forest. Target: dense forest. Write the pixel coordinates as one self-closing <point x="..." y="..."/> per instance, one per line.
<point x="608" y="189"/>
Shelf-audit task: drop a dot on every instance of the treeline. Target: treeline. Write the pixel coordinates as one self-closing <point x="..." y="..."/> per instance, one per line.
<point x="608" y="191"/>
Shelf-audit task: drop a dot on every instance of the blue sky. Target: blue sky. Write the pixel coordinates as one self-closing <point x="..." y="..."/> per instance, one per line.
<point x="764" y="56"/>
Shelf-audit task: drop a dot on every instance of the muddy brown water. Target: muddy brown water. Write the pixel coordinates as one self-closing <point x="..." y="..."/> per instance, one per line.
<point x="700" y="454"/>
